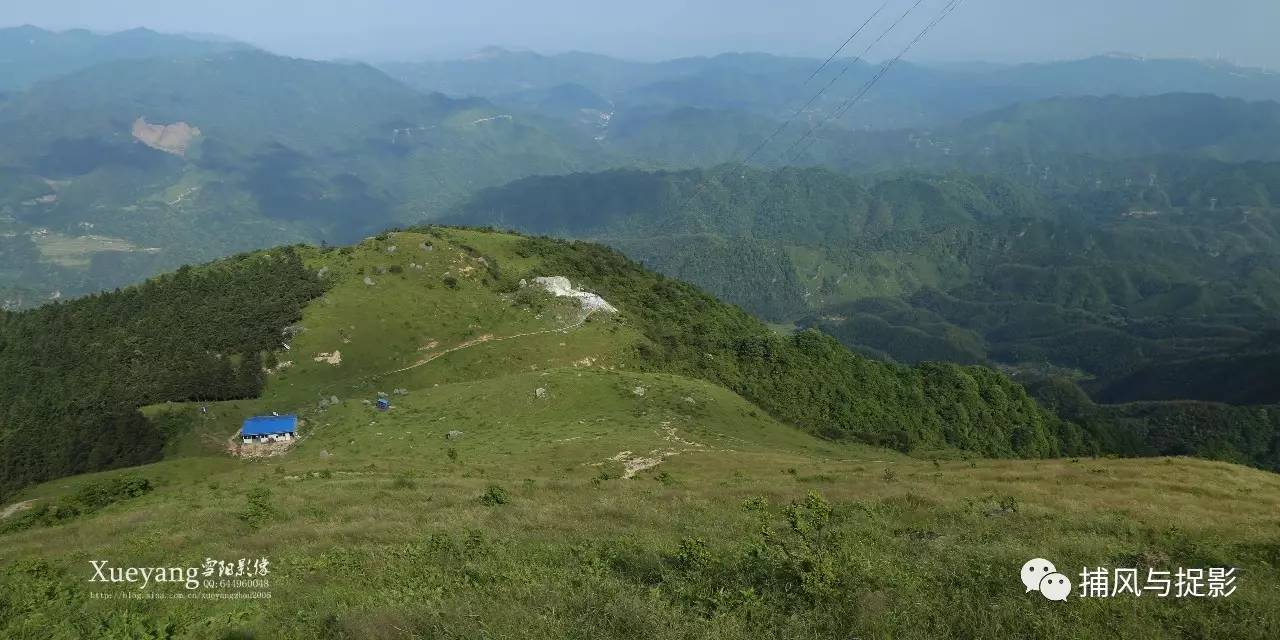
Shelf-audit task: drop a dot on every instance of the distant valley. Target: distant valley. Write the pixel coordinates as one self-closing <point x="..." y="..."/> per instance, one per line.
<point x="938" y="241"/>
<point x="280" y="150"/>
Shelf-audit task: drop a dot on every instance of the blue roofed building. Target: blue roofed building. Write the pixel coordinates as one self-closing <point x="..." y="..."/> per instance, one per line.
<point x="262" y="429"/>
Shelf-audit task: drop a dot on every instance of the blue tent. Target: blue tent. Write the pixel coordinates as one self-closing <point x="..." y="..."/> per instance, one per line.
<point x="266" y="426"/>
<point x="383" y="404"/>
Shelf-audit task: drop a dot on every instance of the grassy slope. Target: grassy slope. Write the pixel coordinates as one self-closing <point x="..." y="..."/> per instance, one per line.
<point x="376" y="531"/>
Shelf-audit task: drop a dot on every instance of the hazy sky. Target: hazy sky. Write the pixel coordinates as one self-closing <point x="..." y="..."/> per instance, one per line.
<point x="998" y="30"/>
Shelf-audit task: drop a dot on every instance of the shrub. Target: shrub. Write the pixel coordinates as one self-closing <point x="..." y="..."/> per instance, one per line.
<point x="90" y="497"/>
<point x="96" y="495"/>
<point x="494" y="496"/>
<point x="694" y="554"/>
<point x="258" y="509"/>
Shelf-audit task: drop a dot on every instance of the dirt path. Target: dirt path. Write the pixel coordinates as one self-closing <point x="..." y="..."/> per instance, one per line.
<point x="15" y="507"/>
<point x="492" y="118"/>
<point x="633" y="463"/>
<point x="489" y="338"/>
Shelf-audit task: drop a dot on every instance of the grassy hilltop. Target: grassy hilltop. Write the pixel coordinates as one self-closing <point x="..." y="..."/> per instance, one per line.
<point x="674" y="470"/>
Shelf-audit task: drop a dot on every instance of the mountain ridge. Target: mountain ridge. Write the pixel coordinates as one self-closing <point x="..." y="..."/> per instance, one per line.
<point x="583" y="467"/>
<point x="948" y="266"/>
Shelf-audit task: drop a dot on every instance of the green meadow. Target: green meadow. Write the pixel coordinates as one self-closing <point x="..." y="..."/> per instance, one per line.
<point x="589" y="495"/>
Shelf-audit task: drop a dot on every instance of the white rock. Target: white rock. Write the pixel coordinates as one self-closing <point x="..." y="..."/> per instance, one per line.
<point x="560" y="287"/>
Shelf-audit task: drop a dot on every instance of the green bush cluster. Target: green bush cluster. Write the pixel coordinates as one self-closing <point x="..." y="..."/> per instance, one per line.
<point x="495" y="496"/>
<point x="88" y="497"/>
<point x="1241" y="434"/>
<point x="258" y="509"/>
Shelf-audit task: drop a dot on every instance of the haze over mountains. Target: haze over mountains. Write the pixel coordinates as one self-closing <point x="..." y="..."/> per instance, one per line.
<point x="29" y="54"/>
<point x="286" y="148"/>
<point x="773" y="86"/>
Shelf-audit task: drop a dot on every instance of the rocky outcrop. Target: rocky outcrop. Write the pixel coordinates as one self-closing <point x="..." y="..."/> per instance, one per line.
<point x="173" y="138"/>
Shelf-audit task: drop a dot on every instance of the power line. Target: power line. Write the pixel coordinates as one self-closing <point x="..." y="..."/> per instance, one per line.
<point x="884" y="69"/>
<point x="864" y="53"/>
<point x="781" y="127"/>
<point x="946" y="11"/>
<point x="769" y="138"/>
<point x="846" y="42"/>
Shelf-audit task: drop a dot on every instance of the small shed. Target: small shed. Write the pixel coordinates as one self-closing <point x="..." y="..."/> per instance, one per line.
<point x="263" y="429"/>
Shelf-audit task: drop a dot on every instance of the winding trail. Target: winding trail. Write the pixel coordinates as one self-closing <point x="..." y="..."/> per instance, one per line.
<point x="16" y="507"/>
<point x="504" y="116"/>
<point x="488" y="338"/>
<point x="458" y="347"/>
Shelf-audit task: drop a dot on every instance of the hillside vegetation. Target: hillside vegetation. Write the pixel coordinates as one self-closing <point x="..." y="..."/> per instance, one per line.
<point x="546" y="473"/>
<point x="1126" y="286"/>
<point x="1013" y="312"/>
<point x="207" y="334"/>
<point x="73" y="375"/>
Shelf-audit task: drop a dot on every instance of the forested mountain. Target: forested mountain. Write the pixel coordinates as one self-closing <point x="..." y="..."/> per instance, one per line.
<point x="1113" y="212"/>
<point x="1078" y="138"/>
<point x="1193" y="124"/>
<point x="1129" y="75"/>
<point x="1114" y="284"/>
<point x="115" y="172"/>
<point x="30" y="54"/>
<point x="137" y="165"/>
<point x="1073" y="138"/>
<point x="495" y="71"/>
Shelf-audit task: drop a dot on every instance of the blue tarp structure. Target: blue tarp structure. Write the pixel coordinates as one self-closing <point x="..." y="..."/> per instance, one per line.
<point x="383" y="404"/>
<point x="269" y="425"/>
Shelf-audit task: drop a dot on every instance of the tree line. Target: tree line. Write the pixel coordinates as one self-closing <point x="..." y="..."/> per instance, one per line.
<point x="73" y="374"/>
